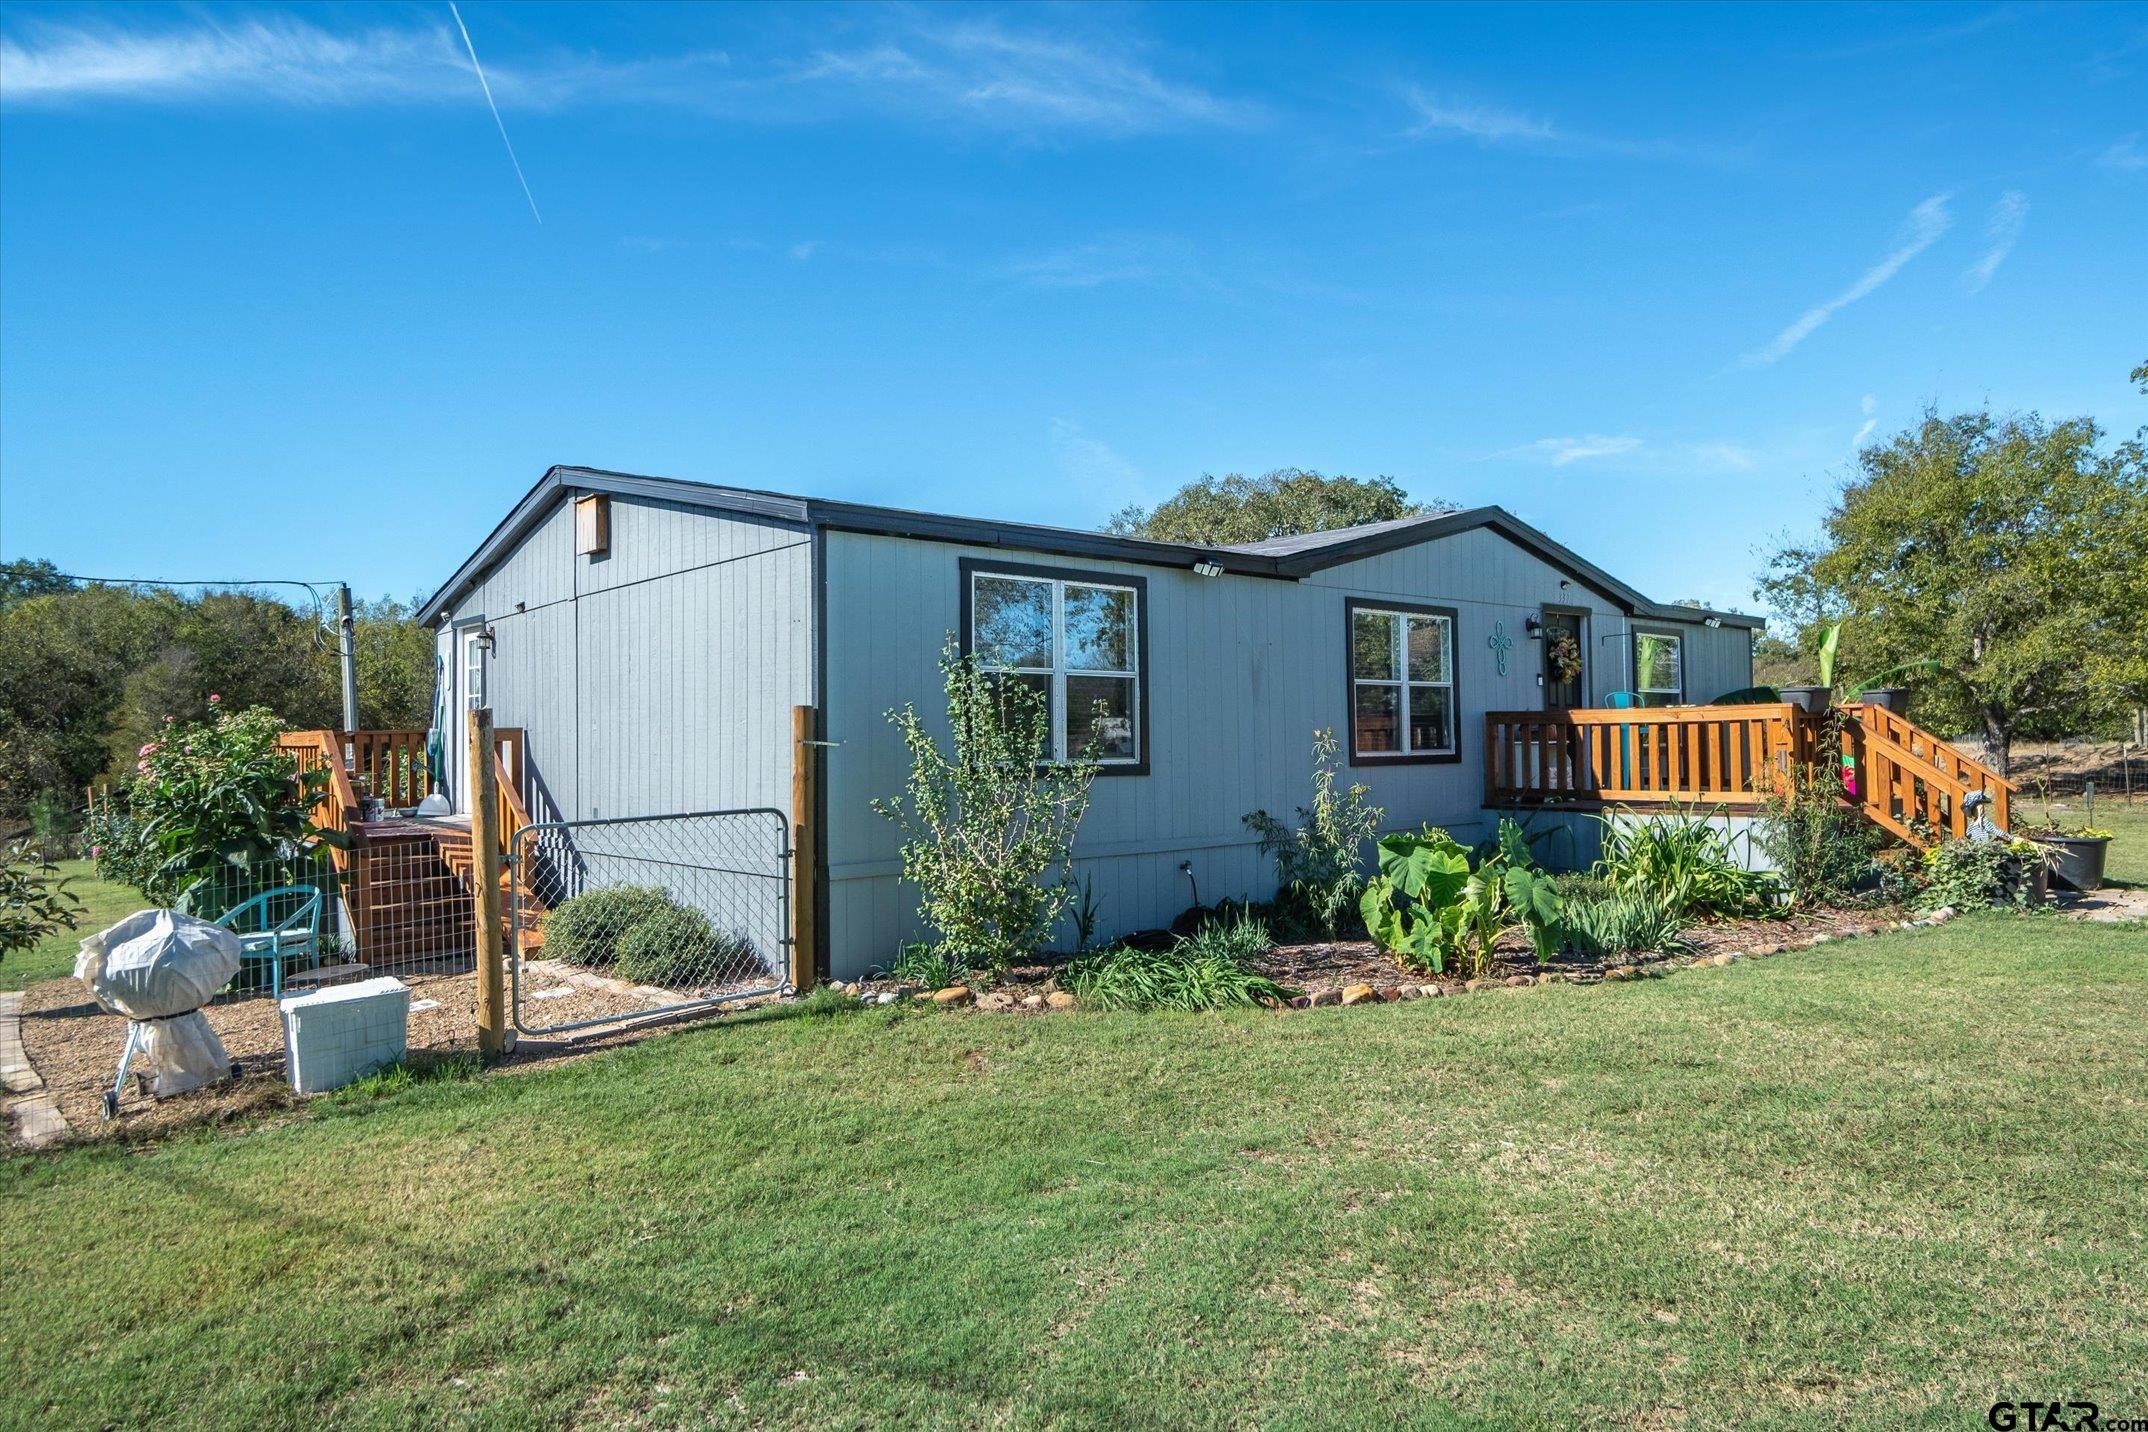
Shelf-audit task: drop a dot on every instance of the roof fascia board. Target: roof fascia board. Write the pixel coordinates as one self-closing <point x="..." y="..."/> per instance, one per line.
<point x="1022" y="537"/>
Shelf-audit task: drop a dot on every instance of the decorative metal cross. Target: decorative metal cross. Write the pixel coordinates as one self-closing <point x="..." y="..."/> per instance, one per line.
<point x="1499" y="641"/>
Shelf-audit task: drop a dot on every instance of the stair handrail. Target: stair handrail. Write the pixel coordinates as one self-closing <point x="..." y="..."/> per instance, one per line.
<point x="1940" y="764"/>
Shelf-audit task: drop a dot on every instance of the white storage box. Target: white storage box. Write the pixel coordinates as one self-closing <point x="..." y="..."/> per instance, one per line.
<point x="345" y="1032"/>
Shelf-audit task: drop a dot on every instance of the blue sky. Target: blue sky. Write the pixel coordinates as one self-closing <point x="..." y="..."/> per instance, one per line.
<point x="273" y="300"/>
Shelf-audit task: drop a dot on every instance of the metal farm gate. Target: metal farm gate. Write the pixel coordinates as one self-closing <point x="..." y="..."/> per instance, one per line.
<point x="696" y="906"/>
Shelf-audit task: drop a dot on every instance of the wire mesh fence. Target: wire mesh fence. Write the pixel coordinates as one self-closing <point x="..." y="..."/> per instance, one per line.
<point x="695" y="905"/>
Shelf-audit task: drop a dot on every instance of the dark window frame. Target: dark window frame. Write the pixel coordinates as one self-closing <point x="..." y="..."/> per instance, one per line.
<point x="972" y="568"/>
<point x="1633" y="657"/>
<point x="1353" y="757"/>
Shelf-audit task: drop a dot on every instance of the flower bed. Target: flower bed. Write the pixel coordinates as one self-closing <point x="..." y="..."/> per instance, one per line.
<point x="1356" y="972"/>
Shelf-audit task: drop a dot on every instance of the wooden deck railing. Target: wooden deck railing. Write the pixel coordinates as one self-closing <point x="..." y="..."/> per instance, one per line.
<point x="388" y="766"/>
<point x="1714" y="755"/>
<point x="1906" y="780"/>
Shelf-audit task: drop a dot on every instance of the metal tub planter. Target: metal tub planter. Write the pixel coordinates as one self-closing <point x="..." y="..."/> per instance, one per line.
<point x="2075" y="861"/>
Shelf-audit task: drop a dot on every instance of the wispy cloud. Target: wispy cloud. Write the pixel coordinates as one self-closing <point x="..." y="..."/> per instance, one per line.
<point x="2003" y="231"/>
<point x="2125" y="154"/>
<point x="1561" y="451"/>
<point x="1493" y="126"/>
<point x="1096" y="469"/>
<point x="1868" y="405"/>
<point x="917" y="67"/>
<point x="1096" y="262"/>
<point x="1926" y="223"/>
<point x="1004" y="75"/>
<point x="289" y="61"/>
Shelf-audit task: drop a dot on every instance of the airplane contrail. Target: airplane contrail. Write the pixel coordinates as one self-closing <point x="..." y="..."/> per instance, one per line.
<point x="495" y="107"/>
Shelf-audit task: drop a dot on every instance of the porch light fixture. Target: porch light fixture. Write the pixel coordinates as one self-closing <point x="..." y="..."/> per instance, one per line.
<point x="1208" y="569"/>
<point x="483" y="641"/>
<point x="1534" y="626"/>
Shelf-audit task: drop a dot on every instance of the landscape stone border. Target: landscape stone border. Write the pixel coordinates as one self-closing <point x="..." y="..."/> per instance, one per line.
<point x="28" y="1103"/>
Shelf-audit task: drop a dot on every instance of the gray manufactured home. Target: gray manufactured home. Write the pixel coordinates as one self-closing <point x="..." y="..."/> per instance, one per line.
<point x="650" y="637"/>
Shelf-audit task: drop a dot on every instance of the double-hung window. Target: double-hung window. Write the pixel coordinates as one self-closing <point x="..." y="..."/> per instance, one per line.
<point x="1659" y="668"/>
<point x="1402" y="692"/>
<point x="1073" y="638"/>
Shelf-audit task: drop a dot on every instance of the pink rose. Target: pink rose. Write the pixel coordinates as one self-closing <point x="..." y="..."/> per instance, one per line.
<point x="214" y="698"/>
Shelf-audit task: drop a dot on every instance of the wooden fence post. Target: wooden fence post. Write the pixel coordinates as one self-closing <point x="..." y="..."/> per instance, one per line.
<point x="492" y="1031"/>
<point x="805" y="929"/>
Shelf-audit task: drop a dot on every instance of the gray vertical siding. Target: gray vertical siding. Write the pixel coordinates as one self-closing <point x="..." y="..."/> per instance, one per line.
<point x="656" y="679"/>
<point x="1241" y="671"/>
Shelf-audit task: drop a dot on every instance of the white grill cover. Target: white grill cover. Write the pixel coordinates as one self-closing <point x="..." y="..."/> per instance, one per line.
<point x="159" y="967"/>
<point x="157" y="963"/>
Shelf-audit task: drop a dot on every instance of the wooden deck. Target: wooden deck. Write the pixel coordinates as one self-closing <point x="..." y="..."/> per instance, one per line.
<point x="1906" y="780"/>
<point x="406" y="879"/>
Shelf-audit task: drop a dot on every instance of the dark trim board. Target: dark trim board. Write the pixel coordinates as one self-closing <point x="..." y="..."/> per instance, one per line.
<point x="969" y="567"/>
<point x="1351" y="607"/>
<point x="1288" y="559"/>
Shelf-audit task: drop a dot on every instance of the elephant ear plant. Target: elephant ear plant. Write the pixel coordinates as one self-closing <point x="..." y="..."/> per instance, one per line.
<point x="1433" y="910"/>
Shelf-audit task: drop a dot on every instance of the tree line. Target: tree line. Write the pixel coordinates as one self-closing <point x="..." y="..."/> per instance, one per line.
<point x="89" y="671"/>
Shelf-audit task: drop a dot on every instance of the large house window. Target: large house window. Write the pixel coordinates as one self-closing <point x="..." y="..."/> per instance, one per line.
<point x="1402" y="696"/>
<point x="1074" y="639"/>
<point x="1659" y="668"/>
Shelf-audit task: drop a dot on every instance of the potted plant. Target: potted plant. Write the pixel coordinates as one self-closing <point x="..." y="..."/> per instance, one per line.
<point x="1814" y="699"/>
<point x="2075" y="856"/>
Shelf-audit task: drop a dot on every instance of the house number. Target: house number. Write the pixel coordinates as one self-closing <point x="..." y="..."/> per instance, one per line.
<point x="1499" y="641"/>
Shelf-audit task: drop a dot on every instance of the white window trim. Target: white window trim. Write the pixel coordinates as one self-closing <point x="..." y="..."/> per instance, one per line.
<point x="1398" y="627"/>
<point x="1676" y="693"/>
<point x="1059" y="671"/>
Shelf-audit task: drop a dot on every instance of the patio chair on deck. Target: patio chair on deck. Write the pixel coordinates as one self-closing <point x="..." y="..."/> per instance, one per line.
<point x="292" y="938"/>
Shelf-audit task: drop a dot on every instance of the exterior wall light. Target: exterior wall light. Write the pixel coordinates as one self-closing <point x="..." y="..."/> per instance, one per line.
<point x="1208" y="569"/>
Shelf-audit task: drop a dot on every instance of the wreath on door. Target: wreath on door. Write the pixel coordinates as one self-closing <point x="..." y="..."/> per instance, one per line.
<point x="1563" y="656"/>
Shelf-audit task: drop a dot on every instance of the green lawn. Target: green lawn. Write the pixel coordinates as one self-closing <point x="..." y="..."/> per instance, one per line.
<point x="2128" y="860"/>
<point x="103" y="902"/>
<point x="1893" y="1180"/>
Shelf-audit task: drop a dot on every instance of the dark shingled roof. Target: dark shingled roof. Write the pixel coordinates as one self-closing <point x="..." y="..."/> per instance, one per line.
<point x="1278" y="558"/>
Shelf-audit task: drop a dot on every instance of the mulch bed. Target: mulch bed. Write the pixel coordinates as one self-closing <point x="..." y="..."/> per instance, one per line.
<point x="75" y="1047"/>
<point x="1325" y="971"/>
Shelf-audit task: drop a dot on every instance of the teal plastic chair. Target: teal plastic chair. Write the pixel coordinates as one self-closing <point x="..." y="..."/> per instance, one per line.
<point x="277" y="942"/>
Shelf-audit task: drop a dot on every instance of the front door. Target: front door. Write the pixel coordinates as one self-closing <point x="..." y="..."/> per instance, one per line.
<point x="470" y="691"/>
<point x="1566" y="678"/>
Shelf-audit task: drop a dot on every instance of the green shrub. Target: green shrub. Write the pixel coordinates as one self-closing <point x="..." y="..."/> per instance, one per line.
<point x="1618" y="925"/>
<point x="677" y="948"/>
<point x="1320" y="866"/>
<point x="919" y="963"/>
<point x="586" y="930"/>
<point x="1185" y="976"/>
<point x="213" y="795"/>
<point x="988" y="828"/>
<point x="34" y="900"/>
<point x="1824" y="848"/>
<point x="1683" y="860"/>
<point x="1970" y="874"/>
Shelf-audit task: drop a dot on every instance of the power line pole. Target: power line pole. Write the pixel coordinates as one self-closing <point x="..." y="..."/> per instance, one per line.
<point x="347" y="649"/>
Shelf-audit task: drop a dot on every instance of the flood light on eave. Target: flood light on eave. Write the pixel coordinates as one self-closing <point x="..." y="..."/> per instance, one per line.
<point x="1208" y="569"/>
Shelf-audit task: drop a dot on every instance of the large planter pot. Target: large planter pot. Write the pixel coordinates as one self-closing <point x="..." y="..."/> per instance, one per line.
<point x="1888" y="698"/>
<point x="1812" y="698"/>
<point x="2076" y="861"/>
